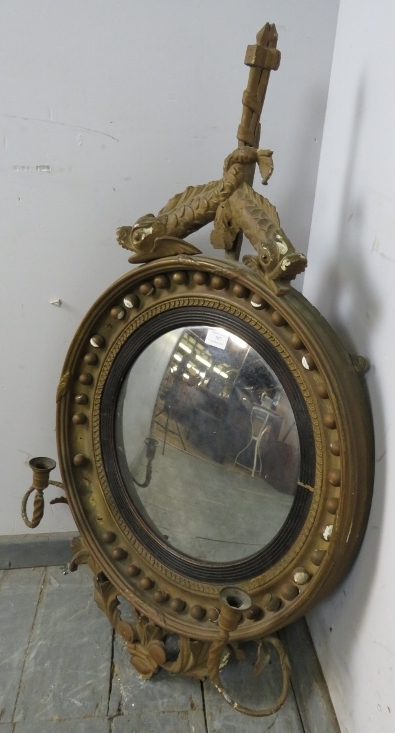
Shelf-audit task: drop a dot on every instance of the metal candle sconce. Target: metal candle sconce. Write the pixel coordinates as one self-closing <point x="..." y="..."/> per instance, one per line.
<point x="151" y="446"/>
<point x="234" y="602"/>
<point x="41" y="468"/>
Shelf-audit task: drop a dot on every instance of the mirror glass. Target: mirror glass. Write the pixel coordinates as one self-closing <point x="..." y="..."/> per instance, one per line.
<point x="207" y="444"/>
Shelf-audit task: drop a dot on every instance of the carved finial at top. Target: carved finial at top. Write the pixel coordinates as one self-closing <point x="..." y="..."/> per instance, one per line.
<point x="230" y="202"/>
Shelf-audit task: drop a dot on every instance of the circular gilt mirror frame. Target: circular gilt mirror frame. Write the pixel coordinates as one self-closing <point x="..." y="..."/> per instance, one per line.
<point x="321" y="536"/>
<point x="172" y="592"/>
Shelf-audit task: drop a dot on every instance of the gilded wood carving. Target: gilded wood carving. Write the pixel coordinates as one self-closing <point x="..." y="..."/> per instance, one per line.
<point x="211" y="606"/>
<point x="230" y="202"/>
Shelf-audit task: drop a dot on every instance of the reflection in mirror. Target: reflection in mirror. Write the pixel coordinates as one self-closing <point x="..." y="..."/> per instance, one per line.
<point x="217" y="475"/>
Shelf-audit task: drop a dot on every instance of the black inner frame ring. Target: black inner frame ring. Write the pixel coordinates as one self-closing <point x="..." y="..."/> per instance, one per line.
<point x="218" y="573"/>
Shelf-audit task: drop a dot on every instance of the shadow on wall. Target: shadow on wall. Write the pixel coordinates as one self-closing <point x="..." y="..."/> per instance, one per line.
<point x="304" y="171"/>
<point x="347" y="299"/>
<point x="296" y="215"/>
<point x="345" y="290"/>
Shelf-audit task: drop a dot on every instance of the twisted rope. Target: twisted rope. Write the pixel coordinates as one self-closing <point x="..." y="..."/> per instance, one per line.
<point x="38" y="505"/>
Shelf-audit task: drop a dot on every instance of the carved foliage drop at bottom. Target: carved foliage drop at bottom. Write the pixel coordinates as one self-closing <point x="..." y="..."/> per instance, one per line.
<point x="144" y="639"/>
<point x="145" y="642"/>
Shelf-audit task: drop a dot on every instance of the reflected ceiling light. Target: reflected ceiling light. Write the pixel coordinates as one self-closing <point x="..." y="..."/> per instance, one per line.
<point x="178" y="357"/>
<point x="203" y="361"/>
<point x="186" y="376"/>
<point x="185" y="347"/>
<point x="238" y="341"/>
<point x="218" y="371"/>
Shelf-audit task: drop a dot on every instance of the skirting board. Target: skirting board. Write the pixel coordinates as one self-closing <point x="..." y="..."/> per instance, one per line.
<point x="309" y="686"/>
<point x="35" y="550"/>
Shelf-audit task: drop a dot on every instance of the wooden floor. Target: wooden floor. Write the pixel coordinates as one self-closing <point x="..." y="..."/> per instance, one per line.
<point x="63" y="671"/>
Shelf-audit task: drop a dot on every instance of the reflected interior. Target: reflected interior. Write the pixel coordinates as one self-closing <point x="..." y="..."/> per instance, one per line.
<point x="209" y="452"/>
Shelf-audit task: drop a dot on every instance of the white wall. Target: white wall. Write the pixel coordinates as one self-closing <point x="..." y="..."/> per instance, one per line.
<point x="351" y="279"/>
<point x="127" y="102"/>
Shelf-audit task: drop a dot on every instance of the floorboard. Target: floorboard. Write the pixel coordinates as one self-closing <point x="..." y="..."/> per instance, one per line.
<point x="253" y="692"/>
<point x="19" y="594"/>
<point x="183" y="722"/>
<point x="164" y="692"/>
<point x="67" y="669"/>
<point x="89" y="725"/>
<point x="62" y="670"/>
<point x="308" y="682"/>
